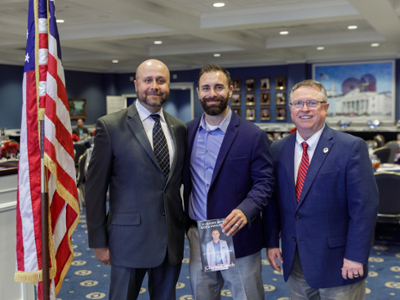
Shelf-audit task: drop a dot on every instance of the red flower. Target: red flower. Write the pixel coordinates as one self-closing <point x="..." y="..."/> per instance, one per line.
<point x="75" y="137"/>
<point x="9" y="148"/>
<point x="293" y="130"/>
<point x="94" y="131"/>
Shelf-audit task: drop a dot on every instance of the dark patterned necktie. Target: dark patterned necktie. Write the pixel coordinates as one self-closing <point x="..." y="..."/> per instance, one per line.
<point x="301" y="175"/>
<point x="160" y="146"/>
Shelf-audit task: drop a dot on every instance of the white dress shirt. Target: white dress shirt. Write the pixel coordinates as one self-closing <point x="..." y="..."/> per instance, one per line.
<point x="298" y="149"/>
<point x="148" y="124"/>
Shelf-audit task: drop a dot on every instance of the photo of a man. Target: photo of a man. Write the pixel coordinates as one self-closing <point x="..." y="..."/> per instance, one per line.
<point x="218" y="257"/>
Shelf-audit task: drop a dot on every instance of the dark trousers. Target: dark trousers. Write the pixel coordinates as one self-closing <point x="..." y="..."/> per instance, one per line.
<point x="126" y="282"/>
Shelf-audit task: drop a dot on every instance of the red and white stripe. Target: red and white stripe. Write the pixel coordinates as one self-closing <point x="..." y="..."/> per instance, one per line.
<point x="59" y="159"/>
<point x="45" y="89"/>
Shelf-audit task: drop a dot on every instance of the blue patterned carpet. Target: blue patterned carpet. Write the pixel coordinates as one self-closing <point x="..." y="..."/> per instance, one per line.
<point x="87" y="278"/>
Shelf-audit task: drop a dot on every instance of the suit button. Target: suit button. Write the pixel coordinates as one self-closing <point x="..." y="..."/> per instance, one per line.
<point x="294" y="239"/>
<point x="163" y="213"/>
<point x="297" y="217"/>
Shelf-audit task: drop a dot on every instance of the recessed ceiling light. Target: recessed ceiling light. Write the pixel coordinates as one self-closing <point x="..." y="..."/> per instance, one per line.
<point x="375" y="45"/>
<point x="219" y="4"/>
<point x="284" y="32"/>
<point x="59" y="21"/>
<point x="217" y="55"/>
<point x="158" y="42"/>
<point x="115" y="61"/>
<point x="320" y="48"/>
<point x="352" y="27"/>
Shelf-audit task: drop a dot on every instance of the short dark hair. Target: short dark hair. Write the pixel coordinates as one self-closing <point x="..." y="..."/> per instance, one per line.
<point x="208" y="68"/>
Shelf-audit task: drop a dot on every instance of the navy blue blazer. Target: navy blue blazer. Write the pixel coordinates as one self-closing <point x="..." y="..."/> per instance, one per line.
<point x="336" y="214"/>
<point x="242" y="179"/>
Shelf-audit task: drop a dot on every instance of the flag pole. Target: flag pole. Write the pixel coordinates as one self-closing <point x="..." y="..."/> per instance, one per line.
<point x="44" y="221"/>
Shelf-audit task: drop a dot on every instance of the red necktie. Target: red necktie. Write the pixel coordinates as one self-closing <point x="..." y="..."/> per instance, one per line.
<point x="301" y="175"/>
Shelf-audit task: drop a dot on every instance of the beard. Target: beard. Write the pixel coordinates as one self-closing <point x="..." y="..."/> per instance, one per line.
<point x="215" y="109"/>
<point x="145" y="98"/>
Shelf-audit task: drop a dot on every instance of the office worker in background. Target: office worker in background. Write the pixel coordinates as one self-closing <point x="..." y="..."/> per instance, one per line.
<point x="327" y="201"/>
<point x="138" y="155"/>
<point x="218" y="257"/>
<point x="79" y="130"/>
<point x="227" y="174"/>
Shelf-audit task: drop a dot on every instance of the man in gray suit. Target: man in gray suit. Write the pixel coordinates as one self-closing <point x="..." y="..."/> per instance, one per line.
<point x="138" y="155"/>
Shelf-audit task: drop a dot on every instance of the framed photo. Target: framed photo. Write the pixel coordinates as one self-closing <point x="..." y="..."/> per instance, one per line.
<point x="265" y="113"/>
<point x="250" y="113"/>
<point x="236" y="99"/>
<point x="265" y="99"/>
<point x="280" y="83"/>
<point x="77" y="108"/>
<point x="250" y="84"/>
<point x="265" y="83"/>
<point x="250" y="99"/>
<point x="236" y="84"/>
<point x="237" y="111"/>
<point x="280" y="98"/>
<point x="359" y="91"/>
<point x="280" y="113"/>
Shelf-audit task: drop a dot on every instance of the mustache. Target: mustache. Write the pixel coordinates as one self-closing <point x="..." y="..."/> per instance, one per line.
<point x="218" y="98"/>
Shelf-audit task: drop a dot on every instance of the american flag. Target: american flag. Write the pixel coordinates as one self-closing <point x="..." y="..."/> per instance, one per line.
<point x="45" y="98"/>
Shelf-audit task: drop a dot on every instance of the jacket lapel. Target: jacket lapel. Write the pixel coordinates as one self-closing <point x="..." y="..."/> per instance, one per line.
<point x="192" y="130"/>
<point x="135" y="124"/>
<point x="230" y="135"/>
<point x="318" y="159"/>
<point x="288" y="162"/>
<point x="171" y="127"/>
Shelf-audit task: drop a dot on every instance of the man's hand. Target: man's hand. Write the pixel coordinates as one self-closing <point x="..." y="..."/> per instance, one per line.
<point x="235" y="221"/>
<point x="272" y="255"/>
<point x="103" y="255"/>
<point x="352" y="269"/>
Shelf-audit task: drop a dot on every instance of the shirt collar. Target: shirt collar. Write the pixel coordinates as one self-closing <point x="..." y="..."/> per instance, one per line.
<point x="312" y="141"/>
<point x="223" y="126"/>
<point x="144" y="113"/>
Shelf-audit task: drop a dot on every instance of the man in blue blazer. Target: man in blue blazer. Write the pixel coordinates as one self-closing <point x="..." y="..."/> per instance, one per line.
<point x="228" y="174"/>
<point x="143" y="231"/>
<point x="327" y="201"/>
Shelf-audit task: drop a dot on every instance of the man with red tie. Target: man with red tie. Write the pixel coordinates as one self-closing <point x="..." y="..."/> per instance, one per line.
<point x="327" y="201"/>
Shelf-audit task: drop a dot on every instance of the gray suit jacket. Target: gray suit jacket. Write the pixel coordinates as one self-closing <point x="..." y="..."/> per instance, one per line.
<point x="146" y="216"/>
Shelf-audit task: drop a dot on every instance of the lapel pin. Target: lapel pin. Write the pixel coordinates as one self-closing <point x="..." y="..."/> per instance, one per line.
<point x="326" y="150"/>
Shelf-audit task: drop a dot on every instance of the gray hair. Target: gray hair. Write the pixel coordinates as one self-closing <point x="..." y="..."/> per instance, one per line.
<point x="312" y="84"/>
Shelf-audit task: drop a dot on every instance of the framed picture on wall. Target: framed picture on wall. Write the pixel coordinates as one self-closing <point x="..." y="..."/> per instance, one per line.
<point x="235" y="99"/>
<point x="77" y="108"/>
<point x="280" y="98"/>
<point x="265" y="99"/>
<point x="237" y="110"/>
<point x="280" y="83"/>
<point x="236" y="84"/>
<point x="250" y="99"/>
<point x="250" y="84"/>
<point x="280" y="113"/>
<point x="265" y="113"/>
<point x="250" y="113"/>
<point x="265" y="83"/>
<point x="359" y="91"/>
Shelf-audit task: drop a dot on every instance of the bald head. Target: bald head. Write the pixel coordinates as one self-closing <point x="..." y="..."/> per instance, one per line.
<point x="153" y="64"/>
<point x="152" y="84"/>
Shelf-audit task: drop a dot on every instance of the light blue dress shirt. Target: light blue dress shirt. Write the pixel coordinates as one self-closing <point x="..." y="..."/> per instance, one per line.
<point x="204" y="155"/>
